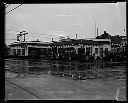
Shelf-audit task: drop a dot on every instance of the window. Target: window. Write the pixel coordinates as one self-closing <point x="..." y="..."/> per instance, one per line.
<point x="118" y="49"/>
<point x="18" y="51"/>
<point x="83" y="50"/>
<point x="79" y="50"/>
<point x="101" y="51"/>
<point x="96" y="50"/>
<point x="23" y="52"/>
<point x="88" y="50"/>
<point x="91" y="50"/>
<point x="106" y="50"/>
<point x="14" y="51"/>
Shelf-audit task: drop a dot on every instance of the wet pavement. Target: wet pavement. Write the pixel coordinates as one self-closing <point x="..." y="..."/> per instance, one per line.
<point x="42" y="79"/>
<point x="14" y="92"/>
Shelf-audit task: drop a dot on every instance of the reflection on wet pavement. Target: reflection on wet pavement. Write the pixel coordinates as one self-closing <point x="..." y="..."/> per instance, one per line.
<point x="74" y="70"/>
<point x="104" y="80"/>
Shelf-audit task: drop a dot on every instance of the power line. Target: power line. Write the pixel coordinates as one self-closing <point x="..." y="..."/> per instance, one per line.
<point x="13" y="8"/>
<point x="12" y="30"/>
<point x="38" y="36"/>
<point x="34" y="33"/>
<point x="30" y="32"/>
<point x="8" y="5"/>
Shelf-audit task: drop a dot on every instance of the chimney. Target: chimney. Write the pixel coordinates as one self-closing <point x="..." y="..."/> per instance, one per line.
<point x="76" y="36"/>
<point x="18" y="38"/>
<point x="95" y="28"/>
<point x="52" y="39"/>
<point x="68" y="37"/>
<point x="104" y="32"/>
<point x="37" y="40"/>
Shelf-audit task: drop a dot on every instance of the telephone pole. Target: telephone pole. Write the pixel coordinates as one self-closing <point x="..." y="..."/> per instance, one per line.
<point x="97" y="32"/>
<point x="24" y="35"/>
<point x="20" y="35"/>
<point x="95" y="28"/>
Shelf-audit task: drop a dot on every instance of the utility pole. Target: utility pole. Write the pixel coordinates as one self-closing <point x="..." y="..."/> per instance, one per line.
<point x="97" y="32"/>
<point x="20" y="35"/>
<point x="95" y="28"/>
<point x="24" y="35"/>
<point x="76" y="36"/>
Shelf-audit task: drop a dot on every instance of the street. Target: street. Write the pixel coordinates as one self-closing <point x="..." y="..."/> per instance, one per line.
<point x="100" y="82"/>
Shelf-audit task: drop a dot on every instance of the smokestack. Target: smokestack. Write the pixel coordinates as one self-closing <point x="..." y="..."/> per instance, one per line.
<point x="52" y="39"/>
<point x="104" y="32"/>
<point x="95" y="28"/>
<point x="97" y="31"/>
<point x="76" y="36"/>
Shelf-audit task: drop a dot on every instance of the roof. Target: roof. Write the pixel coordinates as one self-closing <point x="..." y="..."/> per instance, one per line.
<point x="30" y="43"/>
<point x="61" y="43"/>
<point x="114" y="39"/>
<point x="79" y="41"/>
<point x="104" y="36"/>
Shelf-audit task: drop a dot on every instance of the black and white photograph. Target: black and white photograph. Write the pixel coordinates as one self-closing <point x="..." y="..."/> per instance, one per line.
<point x="65" y="51"/>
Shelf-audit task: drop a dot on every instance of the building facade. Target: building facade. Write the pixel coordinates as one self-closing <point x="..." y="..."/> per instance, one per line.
<point x="63" y="49"/>
<point x="28" y="48"/>
<point x="118" y="43"/>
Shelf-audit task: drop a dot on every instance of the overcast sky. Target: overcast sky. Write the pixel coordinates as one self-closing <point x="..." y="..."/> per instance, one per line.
<point x="47" y="21"/>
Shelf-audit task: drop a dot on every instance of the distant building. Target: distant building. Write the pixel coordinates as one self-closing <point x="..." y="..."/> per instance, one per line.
<point x="118" y="43"/>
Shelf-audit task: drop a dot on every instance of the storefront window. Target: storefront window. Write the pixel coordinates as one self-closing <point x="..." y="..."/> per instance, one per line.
<point x="18" y="51"/>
